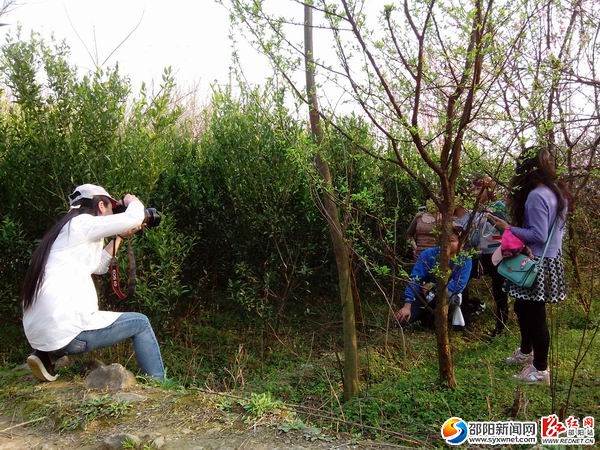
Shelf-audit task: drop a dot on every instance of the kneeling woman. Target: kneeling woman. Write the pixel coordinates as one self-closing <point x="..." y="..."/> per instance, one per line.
<point x="418" y="303"/>
<point x="61" y="314"/>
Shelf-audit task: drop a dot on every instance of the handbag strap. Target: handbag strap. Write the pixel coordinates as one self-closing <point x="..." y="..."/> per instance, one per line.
<point x="550" y="236"/>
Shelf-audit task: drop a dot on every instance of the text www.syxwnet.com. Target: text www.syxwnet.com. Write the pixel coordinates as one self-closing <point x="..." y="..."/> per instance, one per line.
<point x="492" y="440"/>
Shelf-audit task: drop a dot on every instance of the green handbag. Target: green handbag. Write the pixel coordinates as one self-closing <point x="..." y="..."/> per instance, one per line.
<point x="521" y="269"/>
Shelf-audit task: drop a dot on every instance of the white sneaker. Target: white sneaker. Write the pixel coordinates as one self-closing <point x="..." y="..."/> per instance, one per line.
<point x="531" y="375"/>
<point x="518" y="358"/>
<point x="41" y="366"/>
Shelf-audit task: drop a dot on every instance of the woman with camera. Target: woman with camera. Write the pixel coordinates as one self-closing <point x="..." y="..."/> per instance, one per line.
<point x="60" y="303"/>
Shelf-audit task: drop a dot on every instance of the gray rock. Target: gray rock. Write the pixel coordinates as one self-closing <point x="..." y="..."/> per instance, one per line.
<point x="158" y="442"/>
<point x="153" y="440"/>
<point x="93" y="365"/>
<point x="116" y="441"/>
<point x="61" y="362"/>
<point x="112" y="378"/>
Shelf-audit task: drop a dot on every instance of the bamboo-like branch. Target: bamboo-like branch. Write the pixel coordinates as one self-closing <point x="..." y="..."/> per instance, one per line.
<point x="444" y="51"/>
<point x="22" y="424"/>
<point x="413" y="131"/>
<point x="420" y="63"/>
<point x="397" y="45"/>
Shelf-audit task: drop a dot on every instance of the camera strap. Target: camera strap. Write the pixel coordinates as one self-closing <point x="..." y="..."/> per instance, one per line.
<point x="115" y="277"/>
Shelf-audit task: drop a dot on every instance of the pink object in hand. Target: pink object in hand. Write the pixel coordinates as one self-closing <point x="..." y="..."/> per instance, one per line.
<point x="509" y="245"/>
<point x="510" y="242"/>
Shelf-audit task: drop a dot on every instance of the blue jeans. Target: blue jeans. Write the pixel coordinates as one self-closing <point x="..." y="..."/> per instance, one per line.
<point x="128" y="325"/>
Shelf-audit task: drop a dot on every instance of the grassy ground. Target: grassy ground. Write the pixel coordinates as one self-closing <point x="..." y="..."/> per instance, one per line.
<point x="400" y="392"/>
<point x="64" y="414"/>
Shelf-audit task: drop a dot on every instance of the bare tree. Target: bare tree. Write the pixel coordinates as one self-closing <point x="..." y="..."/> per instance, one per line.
<point x="423" y="79"/>
<point x="552" y="98"/>
<point x="5" y="7"/>
<point x="331" y="213"/>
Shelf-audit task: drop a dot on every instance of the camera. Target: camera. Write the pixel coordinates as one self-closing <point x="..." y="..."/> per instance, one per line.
<point x="151" y="215"/>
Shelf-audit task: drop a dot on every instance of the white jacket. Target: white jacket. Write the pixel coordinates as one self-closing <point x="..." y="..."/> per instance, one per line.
<point x="67" y="303"/>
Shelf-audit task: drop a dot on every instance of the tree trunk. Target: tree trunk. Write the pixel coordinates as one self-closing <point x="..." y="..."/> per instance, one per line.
<point x="573" y="252"/>
<point x="330" y="210"/>
<point x="446" y="366"/>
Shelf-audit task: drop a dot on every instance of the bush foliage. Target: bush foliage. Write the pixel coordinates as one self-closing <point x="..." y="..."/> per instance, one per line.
<point x="240" y="198"/>
<point x="235" y="182"/>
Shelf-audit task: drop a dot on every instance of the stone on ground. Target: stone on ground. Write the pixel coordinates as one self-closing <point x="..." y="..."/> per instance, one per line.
<point x="113" y="377"/>
<point x="119" y="441"/>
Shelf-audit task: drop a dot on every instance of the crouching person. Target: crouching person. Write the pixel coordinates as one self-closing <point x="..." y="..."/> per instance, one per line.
<point x="419" y="302"/>
<point x="60" y="303"/>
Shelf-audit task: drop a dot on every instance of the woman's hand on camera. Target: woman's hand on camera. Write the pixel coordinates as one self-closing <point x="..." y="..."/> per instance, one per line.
<point x="128" y="198"/>
<point x="131" y="232"/>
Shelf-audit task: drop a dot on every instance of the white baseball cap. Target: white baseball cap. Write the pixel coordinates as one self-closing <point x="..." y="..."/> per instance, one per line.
<point x="88" y="191"/>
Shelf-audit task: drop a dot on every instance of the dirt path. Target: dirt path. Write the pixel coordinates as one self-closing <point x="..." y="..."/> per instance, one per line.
<point x="68" y="416"/>
<point x="262" y="438"/>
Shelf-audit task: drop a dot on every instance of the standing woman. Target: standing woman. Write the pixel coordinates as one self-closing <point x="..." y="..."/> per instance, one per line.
<point x="60" y="304"/>
<point x="539" y="205"/>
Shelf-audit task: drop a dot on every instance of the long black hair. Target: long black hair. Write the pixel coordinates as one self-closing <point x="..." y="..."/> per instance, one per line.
<point x="35" y="272"/>
<point x="534" y="167"/>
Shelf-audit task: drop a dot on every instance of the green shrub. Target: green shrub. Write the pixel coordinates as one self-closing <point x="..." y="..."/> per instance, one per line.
<point x="377" y="201"/>
<point x="260" y="404"/>
<point x="14" y="260"/>
<point x="63" y="130"/>
<point x="245" y="189"/>
<point x="162" y="254"/>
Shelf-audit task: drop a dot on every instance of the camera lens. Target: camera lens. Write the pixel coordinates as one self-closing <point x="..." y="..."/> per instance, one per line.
<point x="151" y="217"/>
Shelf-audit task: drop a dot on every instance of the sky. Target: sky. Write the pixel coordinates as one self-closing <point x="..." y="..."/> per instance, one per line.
<point x="191" y="36"/>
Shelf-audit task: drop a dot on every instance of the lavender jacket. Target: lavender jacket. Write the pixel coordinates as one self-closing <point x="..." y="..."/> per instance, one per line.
<point x="540" y="210"/>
